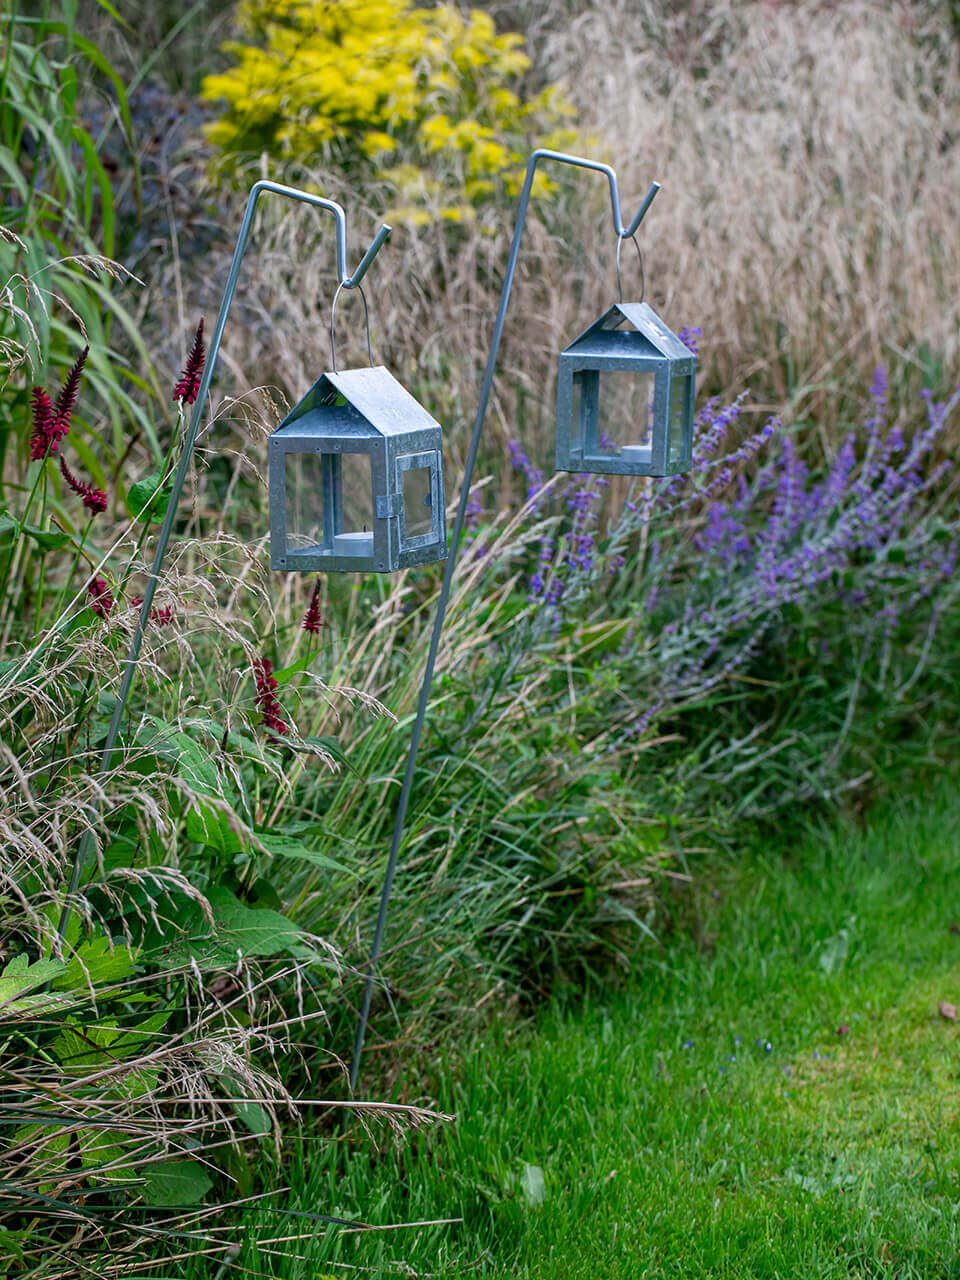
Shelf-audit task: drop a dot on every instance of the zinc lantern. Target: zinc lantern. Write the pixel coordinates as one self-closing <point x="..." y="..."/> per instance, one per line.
<point x="356" y="478"/>
<point x="625" y="394"/>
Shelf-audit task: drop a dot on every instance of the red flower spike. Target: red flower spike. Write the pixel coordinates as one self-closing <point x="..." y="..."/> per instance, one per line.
<point x="271" y="712"/>
<point x="188" y="386"/>
<point x="101" y="598"/>
<point x="68" y="395"/>
<point x="311" y="619"/>
<point x="44" y="439"/>
<point x="95" y="500"/>
<point x="162" y="616"/>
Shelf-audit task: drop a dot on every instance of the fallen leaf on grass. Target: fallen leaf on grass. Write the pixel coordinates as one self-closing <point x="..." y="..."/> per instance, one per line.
<point x="947" y="1011"/>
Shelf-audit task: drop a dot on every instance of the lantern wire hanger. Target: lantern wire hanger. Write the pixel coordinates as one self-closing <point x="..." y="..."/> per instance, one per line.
<point x="333" y="315"/>
<point x="643" y="278"/>
<point x="622" y="233"/>
<point x="346" y="281"/>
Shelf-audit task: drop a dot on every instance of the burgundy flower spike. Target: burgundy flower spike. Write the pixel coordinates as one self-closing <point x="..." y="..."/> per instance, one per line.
<point x="311" y="619"/>
<point x="95" y="500"/>
<point x="101" y="598"/>
<point x="188" y="385"/>
<point x="267" y="701"/>
<point x="51" y="422"/>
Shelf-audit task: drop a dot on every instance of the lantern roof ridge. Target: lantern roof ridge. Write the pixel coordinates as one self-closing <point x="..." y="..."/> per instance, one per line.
<point x="370" y="400"/>
<point x="645" y="321"/>
<point x="379" y="398"/>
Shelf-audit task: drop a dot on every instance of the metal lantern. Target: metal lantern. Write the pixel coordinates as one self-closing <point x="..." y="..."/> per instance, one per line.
<point x="625" y="395"/>
<point x="356" y="478"/>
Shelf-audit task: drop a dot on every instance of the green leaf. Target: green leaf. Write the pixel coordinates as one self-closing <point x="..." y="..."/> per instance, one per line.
<point x="237" y="930"/>
<point x="175" y="1183"/>
<point x="20" y="976"/>
<point x="281" y="846"/>
<point x="210" y="825"/>
<point x="147" y="500"/>
<point x="95" y="963"/>
<point x="194" y="764"/>
<point x="9" y="526"/>
<point x="48" y="539"/>
<point x="255" y="1117"/>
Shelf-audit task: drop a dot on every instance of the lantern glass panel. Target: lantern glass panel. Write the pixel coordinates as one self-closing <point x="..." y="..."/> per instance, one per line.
<point x="417" y="502"/>
<point x="357" y="475"/>
<point x="612" y="410"/>
<point x="680" y="391"/>
<point x="304" y="479"/>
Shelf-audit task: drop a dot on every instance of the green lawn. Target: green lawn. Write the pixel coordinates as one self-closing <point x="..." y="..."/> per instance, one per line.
<point x="710" y="1121"/>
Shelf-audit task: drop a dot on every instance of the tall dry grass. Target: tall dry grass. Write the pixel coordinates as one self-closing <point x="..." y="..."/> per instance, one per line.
<point x="811" y="176"/>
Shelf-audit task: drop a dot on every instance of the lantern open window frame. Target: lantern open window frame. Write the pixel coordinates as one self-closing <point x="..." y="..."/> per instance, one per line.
<point x="648" y="348"/>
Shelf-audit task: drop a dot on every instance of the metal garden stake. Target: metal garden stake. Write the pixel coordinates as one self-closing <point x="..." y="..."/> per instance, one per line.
<point x="659" y="444"/>
<point x="130" y="666"/>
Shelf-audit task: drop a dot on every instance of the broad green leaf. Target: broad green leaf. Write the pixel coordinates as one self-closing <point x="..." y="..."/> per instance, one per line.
<point x="208" y="824"/>
<point x="255" y="1117"/>
<point x="175" y="1183"/>
<point x="281" y="846"/>
<point x="147" y="500"/>
<point x="48" y="539"/>
<point x="194" y="764"/>
<point x="96" y="963"/>
<point x="238" y="930"/>
<point x="20" y="976"/>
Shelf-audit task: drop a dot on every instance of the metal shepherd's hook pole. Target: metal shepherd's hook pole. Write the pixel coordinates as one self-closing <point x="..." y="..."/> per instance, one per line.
<point x="130" y="666"/>
<point x="451" y="564"/>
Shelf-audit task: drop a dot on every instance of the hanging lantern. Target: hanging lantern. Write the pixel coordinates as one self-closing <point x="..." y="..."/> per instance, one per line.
<point x="356" y="478"/>
<point x="625" y="393"/>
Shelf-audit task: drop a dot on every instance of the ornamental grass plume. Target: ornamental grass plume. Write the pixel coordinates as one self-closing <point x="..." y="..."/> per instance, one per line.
<point x="271" y="713"/>
<point x="188" y="385"/>
<point x="95" y="500"/>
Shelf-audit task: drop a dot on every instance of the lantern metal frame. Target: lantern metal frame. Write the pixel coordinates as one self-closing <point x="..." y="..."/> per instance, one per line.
<point x="650" y="348"/>
<point x="367" y="413"/>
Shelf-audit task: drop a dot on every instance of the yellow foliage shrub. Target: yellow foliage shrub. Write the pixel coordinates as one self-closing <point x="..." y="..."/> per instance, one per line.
<point x="427" y="101"/>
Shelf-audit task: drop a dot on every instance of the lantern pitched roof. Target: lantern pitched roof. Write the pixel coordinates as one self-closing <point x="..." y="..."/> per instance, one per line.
<point x="367" y="398"/>
<point x="598" y="338"/>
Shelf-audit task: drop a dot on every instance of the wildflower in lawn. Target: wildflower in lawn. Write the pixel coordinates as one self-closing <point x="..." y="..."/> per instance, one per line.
<point x="271" y="713"/>
<point x="311" y="619"/>
<point x="188" y="385"/>
<point x="101" y="597"/>
<point x="95" y="500"/>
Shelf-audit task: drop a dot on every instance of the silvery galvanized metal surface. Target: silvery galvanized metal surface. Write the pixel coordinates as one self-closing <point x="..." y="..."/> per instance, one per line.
<point x="659" y="442"/>
<point x="367" y="413"/>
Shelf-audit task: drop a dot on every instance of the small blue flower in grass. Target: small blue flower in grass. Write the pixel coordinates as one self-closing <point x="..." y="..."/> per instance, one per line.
<point x="788" y="1071"/>
<point x="768" y="1047"/>
<point x="733" y="1057"/>
<point x="737" y="1040"/>
<point x="688" y="1044"/>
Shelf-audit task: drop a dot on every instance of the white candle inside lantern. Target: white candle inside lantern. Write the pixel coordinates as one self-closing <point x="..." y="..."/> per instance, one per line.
<point x="353" y="544"/>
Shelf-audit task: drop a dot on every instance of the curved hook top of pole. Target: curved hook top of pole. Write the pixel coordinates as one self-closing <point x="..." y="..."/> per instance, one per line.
<point x="321" y="202"/>
<point x="542" y="153"/>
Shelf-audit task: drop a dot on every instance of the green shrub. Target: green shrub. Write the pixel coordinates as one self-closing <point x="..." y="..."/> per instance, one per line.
<point x="425" y="101"/>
